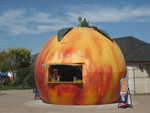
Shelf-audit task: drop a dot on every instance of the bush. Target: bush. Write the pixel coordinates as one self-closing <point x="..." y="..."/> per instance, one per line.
<point x="25" y="77"/>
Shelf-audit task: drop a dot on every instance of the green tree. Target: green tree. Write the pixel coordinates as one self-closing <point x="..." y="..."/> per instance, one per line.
<point x="19" y="62"/>
<point x="18" y="58"/>
<point x="4" y="64"/>
<point x="25" y="78"/>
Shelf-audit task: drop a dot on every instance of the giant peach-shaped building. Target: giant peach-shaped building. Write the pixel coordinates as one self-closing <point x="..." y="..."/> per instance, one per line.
<point x="80" y="66"/>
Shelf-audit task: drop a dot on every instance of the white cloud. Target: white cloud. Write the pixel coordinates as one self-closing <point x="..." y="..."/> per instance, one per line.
<point x="43" y="17"/>
<point x="49" y="28"/>
<point x="23" y="21"/>
<point x="110" y="14"/>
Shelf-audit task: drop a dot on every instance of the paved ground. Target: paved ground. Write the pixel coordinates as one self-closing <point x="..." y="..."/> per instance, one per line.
<point x="22" y="101"/>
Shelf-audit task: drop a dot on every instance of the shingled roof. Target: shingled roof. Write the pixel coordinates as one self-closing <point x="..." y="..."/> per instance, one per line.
<point x="134" y="50"/>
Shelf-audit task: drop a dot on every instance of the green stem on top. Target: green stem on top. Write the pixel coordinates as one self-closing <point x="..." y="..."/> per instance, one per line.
<point x="83" y="22"/>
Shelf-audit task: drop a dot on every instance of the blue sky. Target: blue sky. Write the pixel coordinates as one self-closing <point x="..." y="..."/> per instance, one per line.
<point x="30" y="23"/>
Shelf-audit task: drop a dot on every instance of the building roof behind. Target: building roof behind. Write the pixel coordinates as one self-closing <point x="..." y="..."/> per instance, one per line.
<point x="134" y="50"/>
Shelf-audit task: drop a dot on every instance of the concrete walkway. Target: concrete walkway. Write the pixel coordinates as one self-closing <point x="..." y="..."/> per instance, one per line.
<point x="22" y="101"/>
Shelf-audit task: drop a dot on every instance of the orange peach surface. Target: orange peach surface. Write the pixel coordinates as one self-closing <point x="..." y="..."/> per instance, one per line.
<point x="103" y="67"/>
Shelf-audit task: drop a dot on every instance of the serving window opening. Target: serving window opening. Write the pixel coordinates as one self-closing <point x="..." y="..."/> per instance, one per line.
<point x="67" y="73"/>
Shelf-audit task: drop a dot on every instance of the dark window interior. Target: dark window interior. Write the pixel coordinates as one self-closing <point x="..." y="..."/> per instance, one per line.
<point x="65" y="72"/>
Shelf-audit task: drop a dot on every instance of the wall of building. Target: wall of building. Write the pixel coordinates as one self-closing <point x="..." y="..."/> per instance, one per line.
<point x="139" y="78"/>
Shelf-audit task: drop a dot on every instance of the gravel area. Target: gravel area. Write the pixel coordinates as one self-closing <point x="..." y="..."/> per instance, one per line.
<point x="22" y="101"/>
